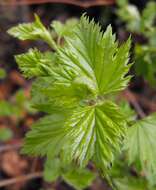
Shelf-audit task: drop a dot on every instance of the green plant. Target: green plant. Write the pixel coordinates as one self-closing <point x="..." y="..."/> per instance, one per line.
<point x="73" y="85"/>
<point x="143" y="25"/>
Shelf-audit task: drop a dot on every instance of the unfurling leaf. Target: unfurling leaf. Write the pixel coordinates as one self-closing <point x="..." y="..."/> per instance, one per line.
<point x="32" y="31"/>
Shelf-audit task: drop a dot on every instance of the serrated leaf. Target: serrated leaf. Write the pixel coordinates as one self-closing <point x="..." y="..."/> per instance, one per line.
<point x="32" y="31"/>
<point x="140" y="143"/>
<point x="96" y="130"/>
<point x="47" y="136"/>
<point x="34" y="63"/>
<point x="97" y="56"/>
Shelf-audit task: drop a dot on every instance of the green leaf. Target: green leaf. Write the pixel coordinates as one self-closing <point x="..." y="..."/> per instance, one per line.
<point x="33" y="31"/>
<point x="148" y="16"/>
<point x="131" y="183"/>
<point x="8" y="109"/>
<point x="47" y="136"/>
<point x="52" y="169"/>
<point x="5" y="134"/>
<point x="79" y="178"/>
<point x="65" y="29"/>
<point x="34" y="63"/>
<point x="97" y="132"/>
<point x="140" y="143"/>
<point x="97" y="56"/>
<point x="131" y="16"/>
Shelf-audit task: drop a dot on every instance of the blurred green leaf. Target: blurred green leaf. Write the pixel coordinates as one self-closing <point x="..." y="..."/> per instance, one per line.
<point x="5" y="134"/>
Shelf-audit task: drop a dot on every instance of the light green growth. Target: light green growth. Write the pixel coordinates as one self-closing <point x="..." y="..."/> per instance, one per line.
<point x="5" y="134"/>
<point x="82" y="123"/>
<point x="79" y="178"/>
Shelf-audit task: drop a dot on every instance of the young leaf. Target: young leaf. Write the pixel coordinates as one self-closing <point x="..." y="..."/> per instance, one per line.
<point x="34" y="63"/>
<point x="65" y="29"/>
<point x="97" y="56"/>
<point x="33" y="31"/>
<point x="140" y="143"/>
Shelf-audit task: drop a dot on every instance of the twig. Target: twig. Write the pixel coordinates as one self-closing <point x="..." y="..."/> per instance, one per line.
<point x="7" y="147"/>
<point x="23" y="178"/>
<point x="84" y="4"/>
<point x="132" y="99"/>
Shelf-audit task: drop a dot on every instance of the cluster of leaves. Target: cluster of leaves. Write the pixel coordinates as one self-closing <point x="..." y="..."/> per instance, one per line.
<point x="16" y="106"/>
<point x="143" y="25"/>
<point x="72" y="85"/>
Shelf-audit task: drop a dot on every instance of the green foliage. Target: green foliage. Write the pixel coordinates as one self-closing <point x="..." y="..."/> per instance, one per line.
<point x="140" y="144"/>
<point x="5" y="134"/>
<point x="16" y="106"/>
<point x="34" y="63"/>
<point x="73" y="88"/>
<point x="142" y="24"/>
<point x="32" y="31"/>
<point x="79" y="178"/>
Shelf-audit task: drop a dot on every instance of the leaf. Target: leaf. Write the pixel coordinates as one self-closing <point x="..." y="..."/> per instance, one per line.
<point x="96" y="132"/>
<point x="148" y="16"/>
<point x="34" y="63"/>
<point x="97" y="56"/>
<point x="131" y="183"/>
<point x="130" y="15"/>
<point x="65" y="29"/>
<point x="8" y="109"/>
<point x="47" y="136"/>
<point x="52" y="169"/>
<point x="5" y="134"/>
<point x="79" y="178"/>
<point x="32" y="31"/>
<point x="140" y="143"/>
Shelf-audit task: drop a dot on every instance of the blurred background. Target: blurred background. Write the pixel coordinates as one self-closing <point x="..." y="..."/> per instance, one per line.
<point x="18" y="172"/>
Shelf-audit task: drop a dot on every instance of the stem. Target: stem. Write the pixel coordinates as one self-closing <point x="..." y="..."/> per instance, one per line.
<point x="131" y="98"/>
<point x="19" y="179"/>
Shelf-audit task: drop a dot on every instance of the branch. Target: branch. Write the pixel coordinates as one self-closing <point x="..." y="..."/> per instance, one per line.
<point x="7" y="147"/>
<point x="83" y="4"/>
<point x="19" y="179"/>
